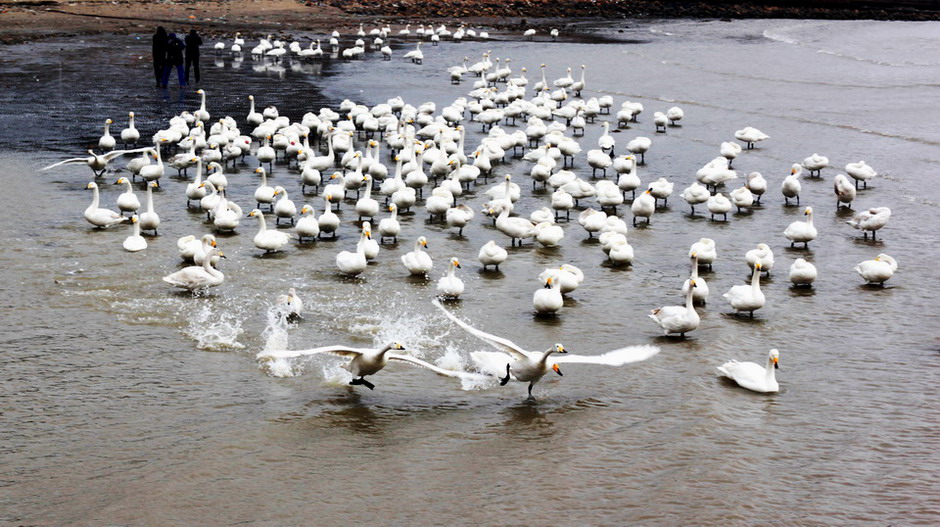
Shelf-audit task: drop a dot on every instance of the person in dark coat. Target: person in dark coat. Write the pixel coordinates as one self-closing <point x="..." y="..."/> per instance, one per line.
<point x="159" y="54"/>
<point x="174" y="58"/>
<point x="193" y="41"/>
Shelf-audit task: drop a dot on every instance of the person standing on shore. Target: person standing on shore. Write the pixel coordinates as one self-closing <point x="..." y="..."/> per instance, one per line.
<point x="193" y="41"/>
<point x="159" y="54"/>
<point x="174" y="57"/>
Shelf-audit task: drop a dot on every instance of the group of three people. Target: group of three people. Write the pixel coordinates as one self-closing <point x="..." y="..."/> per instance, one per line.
<point x="169" y="52"/>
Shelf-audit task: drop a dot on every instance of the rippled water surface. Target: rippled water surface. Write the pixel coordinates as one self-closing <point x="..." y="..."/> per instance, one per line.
<point x="125" y="402"/>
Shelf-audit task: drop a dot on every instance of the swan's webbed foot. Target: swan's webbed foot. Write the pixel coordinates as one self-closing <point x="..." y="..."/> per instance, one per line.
<point x="361" y="381"/>
<point x="504" y="380"/>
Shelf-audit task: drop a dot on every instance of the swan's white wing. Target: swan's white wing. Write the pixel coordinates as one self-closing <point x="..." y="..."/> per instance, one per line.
<point x="117" y="153"/>
<point x="491" y="363"/>
<point x="67" y="161"/>
<point x="436" y="369"/>
<point x="499" y="343"/>
<point x="617" y="357"/>
<point x="332" y="350"/>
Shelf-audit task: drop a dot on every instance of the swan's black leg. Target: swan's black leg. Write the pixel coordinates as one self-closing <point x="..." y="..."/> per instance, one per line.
<point x="531" y="384"/>
<point x="363" y="382"/>
<point x="504" y="380"/>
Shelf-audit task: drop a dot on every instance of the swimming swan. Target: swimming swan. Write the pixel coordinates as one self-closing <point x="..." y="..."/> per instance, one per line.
<point x="753" y="376"/>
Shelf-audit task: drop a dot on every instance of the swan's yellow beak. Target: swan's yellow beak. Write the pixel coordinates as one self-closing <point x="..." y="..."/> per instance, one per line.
<point x="557" y="369"/>
<point x="692" y="283"/>
<point x="212" y="243"/>
<point x="548" y="283"/>
<point x="424" y="243"/>
<point x="776" y="366"/>
<point x="369" y="234"/>
<point x="134" y="219"/>
<point x="792" y="171"/>
<point x="757" y="265"/>
<point x="457" y="264"/>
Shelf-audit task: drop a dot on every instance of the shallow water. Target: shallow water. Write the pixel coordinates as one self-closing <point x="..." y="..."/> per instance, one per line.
<point x="126" y="402"/>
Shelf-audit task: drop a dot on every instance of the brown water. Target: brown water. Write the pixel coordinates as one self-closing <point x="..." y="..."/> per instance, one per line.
<point x="124" y="402"/>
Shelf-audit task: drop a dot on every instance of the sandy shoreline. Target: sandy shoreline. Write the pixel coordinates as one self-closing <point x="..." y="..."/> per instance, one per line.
<point x="27" y="20"/>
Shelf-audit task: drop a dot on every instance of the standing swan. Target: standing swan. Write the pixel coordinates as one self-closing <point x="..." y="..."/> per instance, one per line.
<point x="149" y="220"/>
<point x="449" y="286"/>
<point x="753" y="376"/>
<point x="879" y="270"/>
<point x="747" y="297"/>
<point x="417" y="261"/>
<point x="135" y="242"/>
<point x="267" y="240"/>
<point x="802" y="231"/>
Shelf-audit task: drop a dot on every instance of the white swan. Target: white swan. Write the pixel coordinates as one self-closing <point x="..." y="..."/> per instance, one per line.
<point x="661" y="189"/>
<point x="700" y="291"/>
<point x="762" y="255"/>
<point x="130" y="135"/>
<point x="860" y="172"/>
<point x="844" y="190"/>
<point x="307" y="226"/>
<point x="196" y="190"/>
<point x="879" y="270"/>
<point x="756" y="184"/>
<point x="264" y="194"/>
<point x="753" y="376"/>
<point x="149" y="220"/>
<point x="449" y="286"/>
<point x="135" y="242"/>
<point x="101" y="218"/>
<point x="704" y="251"/>
<point x="548" y="300"/>
<point x="367" y="361"/>
<point x="197" y="277"/>
<point x="678" y="319"/>
<point x="516" y="228"/>
<point x="871" y="220"/>
<point x="802" y="231"/>
<point x="718" y="204"/>
<point x="492" y="254"/>
<point x="568" y="277"/>
<point x="747" y="297"/>
<point x="106" y="141"/>
<point x="802" y="273"/>
<point x="660" y="121"/>
<point x="193" y="250"/>
<point x="370" y="247"/>
<point x="390" y="227"/>
<point x="284" y="207"/>
<point x="127" y="201"/>
<point x="750" y="136"/>
<point x="97" y="163"/>
<point x="328" y="221"/>
<point x="289" y="305"/>
<point x="459" y="217"/>
<point x="695" y="194"/>
<point x="353" y="263"/>
<point x="643" y="206"/>
<point x="267" y="240"/>
<point x="531" y="366"/>
<point x="791" y="185"/>
<point x="815" y="163"/>
<point x="417" y="261"/>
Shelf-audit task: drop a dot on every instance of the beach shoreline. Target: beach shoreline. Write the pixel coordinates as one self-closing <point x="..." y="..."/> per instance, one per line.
<point x="30" y="20"/>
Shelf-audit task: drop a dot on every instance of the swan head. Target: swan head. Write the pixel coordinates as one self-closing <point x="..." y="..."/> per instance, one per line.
<point x="91" y="185"/>
<point x="392" y="207"/>
<point x="134" y="218"/>
<point x="120" y="181"/>
<point x="422" y="241"/>
<point x="455" y="262"/>
<point x="154" y="184"/>
<point x="254" y="213"/>
<point x="200" y="91"/>
<point x="548" y="282"/>
<point x="692" y="282"/>
<point x="757" y="266"/>
<point x="775" y="357"/>
<point x="109" y="121"/>
<point x="558" y="348"/>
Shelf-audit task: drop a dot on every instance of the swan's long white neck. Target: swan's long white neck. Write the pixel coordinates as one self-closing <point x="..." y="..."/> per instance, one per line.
<point x="418" y="247"/>
<point x="202" y="106"/>
<point x="769" y="375"/>
<point x="695" y="267"/>
<point x="688" y="298"/>
<point x="262" y="226"/>
<point x="94" y="199"/>
<point x="452" y="271"/>
<point x="755" y="279"/>
<point x="127" y="184"/>
<point x="809" y="219"/>
<point x="107" y="127"/>
<point x="150" y="198"/>
<point x="136" y="228"/>
<point x="368" y="185"/>
<point x="198" y="179"/>
<point x="264" y="178"/>
<point x="394" y="215"/>
<point x="252" y="108"/>
<point x="131" y="124"/>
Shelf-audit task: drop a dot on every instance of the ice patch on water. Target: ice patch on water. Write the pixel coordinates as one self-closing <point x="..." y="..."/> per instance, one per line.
<point x="215" y="331"/>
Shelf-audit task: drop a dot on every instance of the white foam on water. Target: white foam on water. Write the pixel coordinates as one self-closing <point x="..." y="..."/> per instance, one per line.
<point x="276" y="339"/>
<point x="215" y="331"/>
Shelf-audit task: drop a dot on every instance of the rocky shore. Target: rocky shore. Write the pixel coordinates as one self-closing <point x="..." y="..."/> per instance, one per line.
<point x="24" y="20"/>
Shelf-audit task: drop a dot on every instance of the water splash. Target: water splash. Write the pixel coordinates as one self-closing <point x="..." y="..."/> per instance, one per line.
<point x="276" y="339"/>
<point x="215" y="331"/>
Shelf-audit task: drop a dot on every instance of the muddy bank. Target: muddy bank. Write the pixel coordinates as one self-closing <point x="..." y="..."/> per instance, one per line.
<point x="26" y="20"/>
<point x="643" y="9"/>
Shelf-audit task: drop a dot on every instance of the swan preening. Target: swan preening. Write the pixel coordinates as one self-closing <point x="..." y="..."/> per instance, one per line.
<point x="530" y="366"/>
